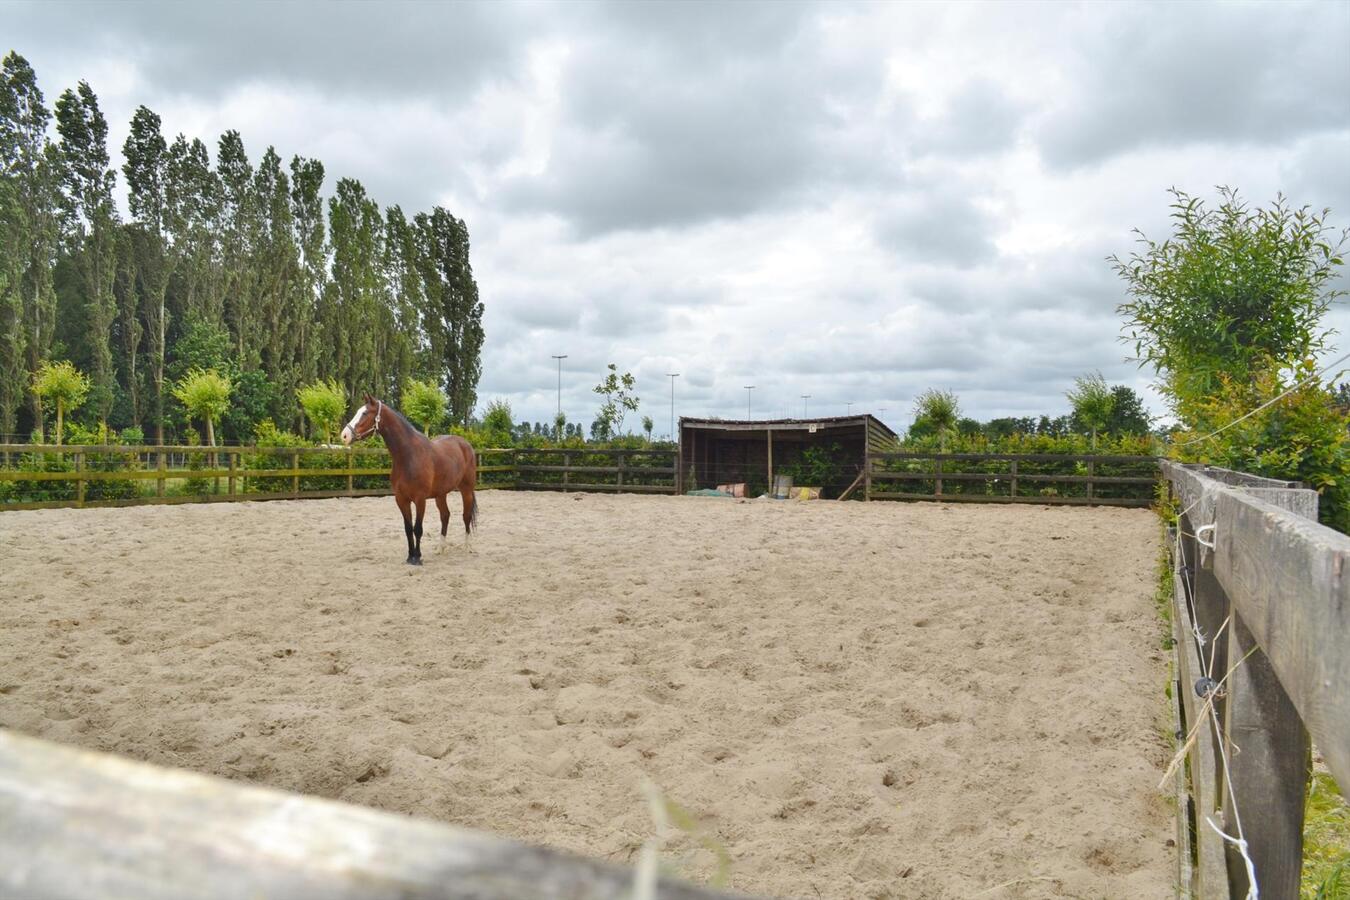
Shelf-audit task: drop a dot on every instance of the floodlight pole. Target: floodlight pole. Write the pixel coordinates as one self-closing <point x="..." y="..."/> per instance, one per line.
<point x="748" y="389"/>
<point x="805" y="397"/>
<point x="559" y="358"/>
<point x="848" y="408"/>
<point x="672" y="376"/>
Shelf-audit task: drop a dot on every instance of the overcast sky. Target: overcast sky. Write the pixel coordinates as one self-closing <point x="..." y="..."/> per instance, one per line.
<point x="851" y="201"/>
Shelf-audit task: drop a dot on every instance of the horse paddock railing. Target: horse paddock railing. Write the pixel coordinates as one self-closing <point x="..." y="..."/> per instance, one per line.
<point x="1261" y="624"/>
<point x="75" y="823"/>
<point x="1044" y="478"/>
<point x="40" y="476"/>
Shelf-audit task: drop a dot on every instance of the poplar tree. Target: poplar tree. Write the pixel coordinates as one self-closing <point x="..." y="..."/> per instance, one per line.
<point x="452" y="317"/>
<point x="91" y="219"/>
<point x="145" y="166"/>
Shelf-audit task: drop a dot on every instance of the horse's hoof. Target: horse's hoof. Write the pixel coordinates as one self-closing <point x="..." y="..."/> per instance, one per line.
<point x="414" y="560"/>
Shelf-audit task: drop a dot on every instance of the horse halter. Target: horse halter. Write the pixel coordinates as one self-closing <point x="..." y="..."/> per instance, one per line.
<point x="379" y="409"/>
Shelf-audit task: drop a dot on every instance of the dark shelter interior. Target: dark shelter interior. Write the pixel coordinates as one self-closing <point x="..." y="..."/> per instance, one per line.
<point x="828" y="453"/>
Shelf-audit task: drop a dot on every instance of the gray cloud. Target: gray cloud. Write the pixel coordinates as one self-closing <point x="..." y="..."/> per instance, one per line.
<point x="942" y="226"/>
<point x="855" y="201"/>
<point x="1165" y="75"/>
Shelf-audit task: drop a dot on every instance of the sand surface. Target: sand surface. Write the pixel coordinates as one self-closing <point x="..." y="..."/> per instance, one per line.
<point x="881" y="700"/>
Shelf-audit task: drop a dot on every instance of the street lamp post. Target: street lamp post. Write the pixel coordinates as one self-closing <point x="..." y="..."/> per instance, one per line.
<point x="559" y="358"/>
<point x="672" y="376"/>
<point x="748" y="389"/>
<point x="848" y="408"/>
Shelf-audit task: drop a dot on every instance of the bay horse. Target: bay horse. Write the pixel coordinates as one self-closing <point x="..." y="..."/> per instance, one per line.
<point x="423" y="468"/>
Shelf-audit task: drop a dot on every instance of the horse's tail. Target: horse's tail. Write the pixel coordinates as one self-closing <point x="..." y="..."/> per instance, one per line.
<point x="473" y="515"/>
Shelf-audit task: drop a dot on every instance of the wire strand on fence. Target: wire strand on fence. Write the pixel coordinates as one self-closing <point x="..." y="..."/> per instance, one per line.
<point x="1221" y="739"/>
<point x="1311" y="378"/>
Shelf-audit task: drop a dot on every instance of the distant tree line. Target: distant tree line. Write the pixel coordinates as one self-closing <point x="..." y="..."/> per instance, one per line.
<point x="1097" y="409"/>
<point x="249" y="271"/>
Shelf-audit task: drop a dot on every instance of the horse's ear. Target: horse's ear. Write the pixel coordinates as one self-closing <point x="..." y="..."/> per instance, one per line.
<point x="369" y="399"/>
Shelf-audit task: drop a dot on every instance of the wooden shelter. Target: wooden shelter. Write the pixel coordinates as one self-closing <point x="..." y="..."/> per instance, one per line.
<point x="723" y="451"/>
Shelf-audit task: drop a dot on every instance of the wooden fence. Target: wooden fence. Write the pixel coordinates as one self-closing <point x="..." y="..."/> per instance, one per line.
<point x="1261" y="607"/>
<point x="45" y="476"/>
<point x="1045" y="478"/>
<point x="75" y="823"/>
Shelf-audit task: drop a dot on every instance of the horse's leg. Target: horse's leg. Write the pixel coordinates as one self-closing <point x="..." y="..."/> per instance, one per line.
<point x="470" y="513"/>
<point x="405" y="507"/>
<point x="444" y="509"/>
<point x="421" y="503"/>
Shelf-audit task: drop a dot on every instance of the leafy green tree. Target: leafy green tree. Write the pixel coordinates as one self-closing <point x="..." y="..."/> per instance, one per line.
<point x="1229" y="292"/>
<point x="647" y="426"/>
<point x="452" y="315"/>
<point x="237" y="236"/>
<point x="1092" y="403"/>
<point x="424" y="403"/>
<point x="1229" y="311"/>
<point x="90" y="222"/>
<point x="192" y="196"/>
<point x="936" y="412"/>
<point x="146" y="156"/>
<point x="497" y="422"/>
<point x="357" y="314"/>
<point x="29" y="232"/>
<point x="62" y="384"/>
<point x="252" y="398"/>
<point x="560" y="426"/>
<point x="619" y="401"/>
<point x="282" y="308"/>
<point x="205" y="395"/>
<point x="310" y="242"/>
<point x="324" y="403"/>
<point x="1128" y="413"/>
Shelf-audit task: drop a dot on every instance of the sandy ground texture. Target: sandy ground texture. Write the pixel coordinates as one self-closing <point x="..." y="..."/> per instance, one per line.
<point x="881" y="700"/>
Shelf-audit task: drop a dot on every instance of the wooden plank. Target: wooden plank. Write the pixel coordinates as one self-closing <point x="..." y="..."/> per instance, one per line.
<point x="883" y="475"/>
<point x="1001" y="498"/>
<point x="1289" y="580"/>
<point x="1028" y="457"/>
<point x="75" y="823"/>
<point x="79" y="470"/>
<point x="1185" y="818"/>
<point x="1211" y="871"/>
<point x="1268" y="760"/>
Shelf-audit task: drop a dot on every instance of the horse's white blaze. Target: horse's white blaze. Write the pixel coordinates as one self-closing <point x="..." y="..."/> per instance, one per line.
<point x="349" y="432"/>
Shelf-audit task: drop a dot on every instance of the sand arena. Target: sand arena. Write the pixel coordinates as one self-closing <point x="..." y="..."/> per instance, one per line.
<point x="880" y="700"/>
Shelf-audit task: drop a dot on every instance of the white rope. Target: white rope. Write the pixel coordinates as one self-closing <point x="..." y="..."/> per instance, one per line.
<point x="1199" y="539"/>
<point x="1212" y="690"/>
<point x="1297" y="385"/>
<point x="1241" y="845"/>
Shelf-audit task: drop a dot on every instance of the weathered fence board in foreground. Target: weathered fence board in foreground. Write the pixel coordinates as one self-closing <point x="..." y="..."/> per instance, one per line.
<point x="1269" y="591"/>
<point x="1090" y="479"/>
<point x="79" y="824"/>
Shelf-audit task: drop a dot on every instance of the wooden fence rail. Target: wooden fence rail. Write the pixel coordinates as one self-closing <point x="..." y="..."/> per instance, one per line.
<point x="75" y="823"/>
<point x="1262" y="604"/>
<point x="1011" y="478"/>
<point x="47" y="475"/>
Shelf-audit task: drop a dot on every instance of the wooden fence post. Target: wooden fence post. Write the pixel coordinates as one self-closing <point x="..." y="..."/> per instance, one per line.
<point x="619" y="458"/>
<point x="232" y="456"/>
<point x="351" y="464"/>
<point x="295" y="473"/>
<point x="567" y="463"/>
<point x="867" y="478"/>
<point x="1013" y="471"/>
<point x="1268" y="761"/>
<point x="938" y="471"/>
<point x="1092" y="471"/>
<point x="79" y="468"/>
<point x="159" y="467"/>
